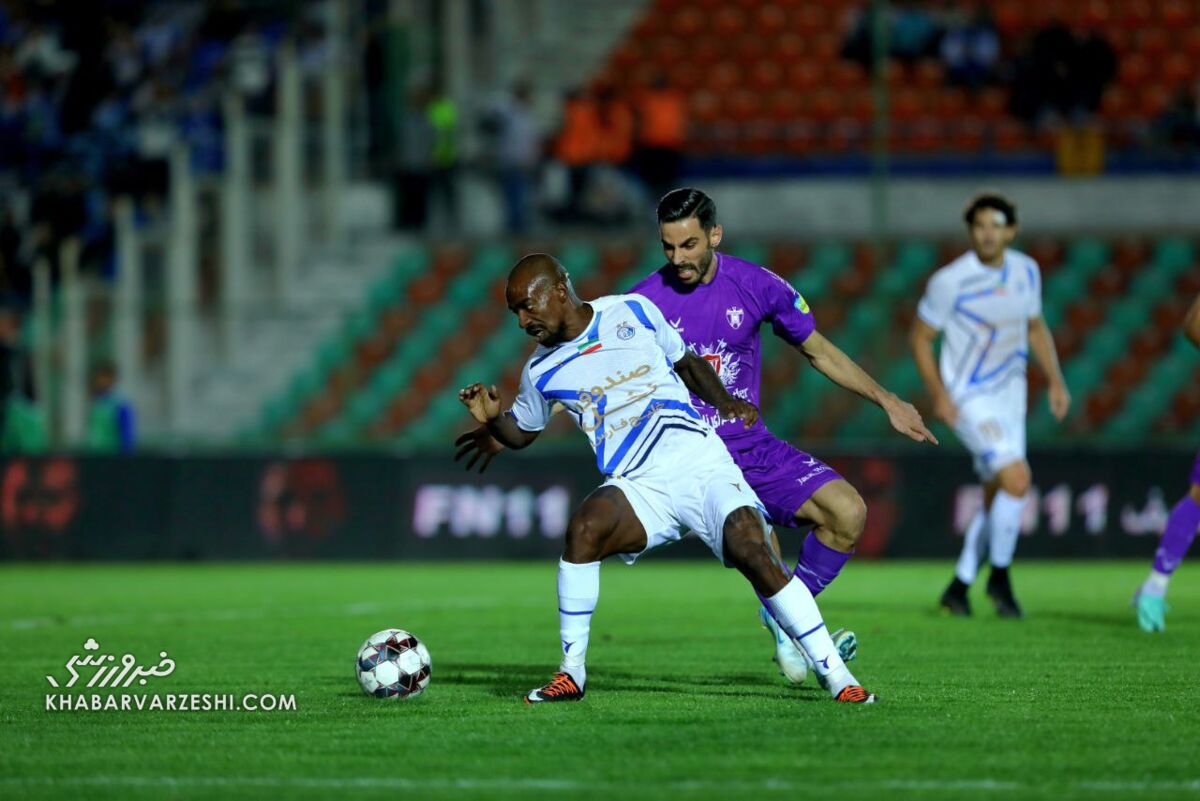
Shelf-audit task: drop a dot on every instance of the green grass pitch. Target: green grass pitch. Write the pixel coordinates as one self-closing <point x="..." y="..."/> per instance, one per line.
<point x="683" y="700"/>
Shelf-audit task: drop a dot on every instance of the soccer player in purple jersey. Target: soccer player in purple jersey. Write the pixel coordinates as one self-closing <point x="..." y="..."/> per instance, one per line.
<point x="1150" y="600"/>
<point x="717" y="302"/>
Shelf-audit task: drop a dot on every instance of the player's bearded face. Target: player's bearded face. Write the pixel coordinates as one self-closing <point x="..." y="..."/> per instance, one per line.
<point x="690" y="249"/>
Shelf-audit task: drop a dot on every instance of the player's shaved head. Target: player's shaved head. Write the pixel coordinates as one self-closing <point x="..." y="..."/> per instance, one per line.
<point x="537" y="269"/>
<point x="539" y="292"/>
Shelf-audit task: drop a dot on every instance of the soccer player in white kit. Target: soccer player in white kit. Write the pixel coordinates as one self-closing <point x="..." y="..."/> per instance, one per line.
<point x="623" y="374"/>
<point x="987" y="304"/>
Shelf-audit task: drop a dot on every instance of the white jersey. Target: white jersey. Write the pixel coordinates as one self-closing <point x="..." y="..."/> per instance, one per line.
<point x="618" y="382"/>
<point x="983" y="313"/>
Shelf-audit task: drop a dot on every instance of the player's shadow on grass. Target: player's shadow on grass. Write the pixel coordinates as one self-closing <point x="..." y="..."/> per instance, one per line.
<point x="1109" y="620"/>
<point x="507" y="681"/>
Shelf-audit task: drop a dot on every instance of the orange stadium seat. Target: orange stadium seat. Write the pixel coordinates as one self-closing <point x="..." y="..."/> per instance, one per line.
<point x="1047" y="252"/>
<point x="805" y="75"/>
<point x="785" y="105"/>
<point x="771" y="20"/>
<point x="767" y="75"/>
<point x="1190" y="42"/>
<point x="1134" y="71"/>
<point x="1130" y="252"/>
<point x="729" y="21"/>
<point x="1136" y="15"/>
<point x="1178" y="14"/>
<point x="1152" y="42"/>
<point x="950" y="104"/>
<point x="789" y="47"/>
<point x="1116" y="103"/>
<point x="1177" y="68"/>
<point x="1107" y="283"/>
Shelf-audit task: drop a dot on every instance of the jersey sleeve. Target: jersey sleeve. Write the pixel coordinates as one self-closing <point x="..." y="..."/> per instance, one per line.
<point x="937" y="302"/>
<point x="652" y="317"/>
<point x="1035" y="295"/>
<point x="787" y="310"/>
<point x="530" y="410"/>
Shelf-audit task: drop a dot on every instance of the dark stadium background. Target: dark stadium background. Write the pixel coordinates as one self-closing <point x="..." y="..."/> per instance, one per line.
<point x="286" y="226"/>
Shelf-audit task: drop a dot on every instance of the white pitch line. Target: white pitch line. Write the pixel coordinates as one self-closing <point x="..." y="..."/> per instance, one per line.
<point x="560" y="785"/>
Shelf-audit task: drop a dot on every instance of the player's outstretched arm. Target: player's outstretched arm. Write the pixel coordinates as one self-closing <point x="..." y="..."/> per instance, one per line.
<point x="1191" y="323"/>
<point x="920" y="340"/>
<point x="832" y="362"/>
<point x="484" y="405"/>
<point x="702" y="381"/>
<point x="1041" y="344"/>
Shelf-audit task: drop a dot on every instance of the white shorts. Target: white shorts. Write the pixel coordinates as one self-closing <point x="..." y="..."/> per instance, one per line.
<point x="696" y="496"/>
<point x="993" y="430"/>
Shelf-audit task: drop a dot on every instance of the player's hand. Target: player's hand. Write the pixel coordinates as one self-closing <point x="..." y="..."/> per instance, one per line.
<point x="479" y="444"/>
<point x="945" y="410"/>
<point x="738" y="409"/>
<point x="483" y="402"/>
<point x="1060" y="400"/>
<point x="905" y="418"/>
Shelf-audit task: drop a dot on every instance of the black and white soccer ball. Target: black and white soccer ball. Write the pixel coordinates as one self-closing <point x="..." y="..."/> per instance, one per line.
<point x="393" y="664"/>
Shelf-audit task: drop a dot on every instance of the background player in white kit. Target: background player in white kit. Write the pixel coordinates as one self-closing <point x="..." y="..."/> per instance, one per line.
<point x="988" y="306"/>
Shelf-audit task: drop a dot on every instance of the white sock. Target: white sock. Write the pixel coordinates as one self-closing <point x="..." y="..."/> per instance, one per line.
<point x="797" y="613"/>
<point x="974" y="550"/>
<point x="1156" y="583"/>
<point x="1004" y="527"/>
<point x="578" y="592"/>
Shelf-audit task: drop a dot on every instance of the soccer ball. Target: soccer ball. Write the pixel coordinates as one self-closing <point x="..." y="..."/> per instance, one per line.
<point x="393" y="664"/>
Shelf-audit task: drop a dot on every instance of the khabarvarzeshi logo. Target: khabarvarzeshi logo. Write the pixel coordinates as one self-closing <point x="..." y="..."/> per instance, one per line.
<point x="111" y="673"/>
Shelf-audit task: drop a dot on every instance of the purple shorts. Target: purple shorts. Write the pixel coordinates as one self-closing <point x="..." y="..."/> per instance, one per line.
<point x="784" y="477"/>
<point x="1195" y="471"/>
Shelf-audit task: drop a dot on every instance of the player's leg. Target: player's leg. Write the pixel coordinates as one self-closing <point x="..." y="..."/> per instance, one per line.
<point x="785" y="480"/>
<point x="840" y="515"/>
<point x="745" y="547"/>
<point x="603" y="525"/>
<point x="974" y="553"/>
<point x="1177" y="537"/>
<point x="1004" y="529"/>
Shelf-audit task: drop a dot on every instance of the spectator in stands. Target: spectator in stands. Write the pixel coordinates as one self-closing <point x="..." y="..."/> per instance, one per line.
<point x="516" y="146"/>
<point x="1178" y="127"/>
<point x="16" y="285"/>
<point x="1093" y="68"/>
<point x="111" y="417"/>
<point x="22" y="423"/>
<point x="428" y="157"/>
<point x="576" y="148"/>
<point x="912" y="33"/>
<point x="970" y="50"/>
<point x="662" y="121"/>
<point x="1063" y="75"/>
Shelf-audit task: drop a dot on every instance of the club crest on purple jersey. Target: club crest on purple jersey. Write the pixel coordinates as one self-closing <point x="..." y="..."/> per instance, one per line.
<point x="735" y="315"/>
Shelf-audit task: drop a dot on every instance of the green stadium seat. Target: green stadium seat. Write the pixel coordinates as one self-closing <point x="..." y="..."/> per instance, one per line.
<point x="754" y="252"/>
<point x="1087" y="254"/>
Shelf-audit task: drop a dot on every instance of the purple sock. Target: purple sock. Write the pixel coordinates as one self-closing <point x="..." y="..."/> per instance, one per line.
<point x="819" y="564"/>
<point x="1177" y="538"/>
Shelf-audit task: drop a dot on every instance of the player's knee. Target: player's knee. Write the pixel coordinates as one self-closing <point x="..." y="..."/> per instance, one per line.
<point x="1195" y="493"/>
<point x="746" y="545"/>
<point x="585" y="539"/>
<point x="851" y="516"/>
<point x="1015" y="480"/>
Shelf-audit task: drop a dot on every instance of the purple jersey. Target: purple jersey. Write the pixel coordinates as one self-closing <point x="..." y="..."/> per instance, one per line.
<point x="720" y="322"/>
